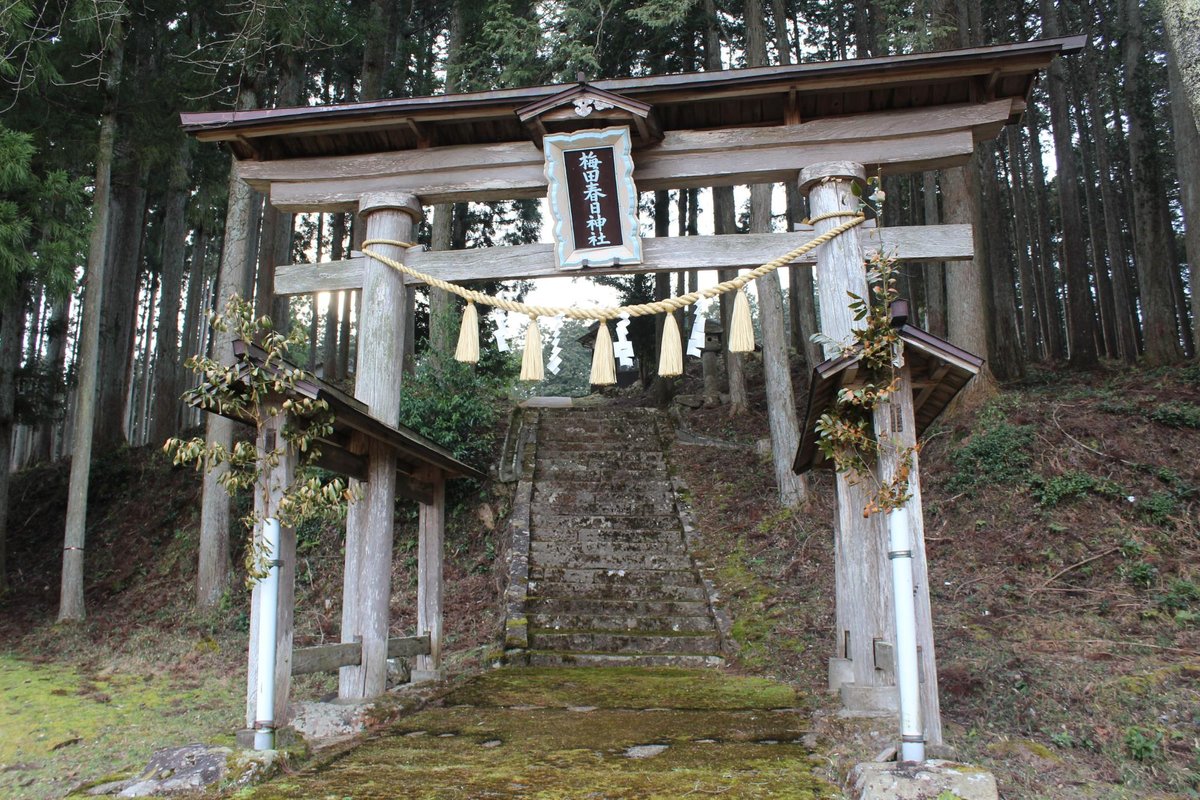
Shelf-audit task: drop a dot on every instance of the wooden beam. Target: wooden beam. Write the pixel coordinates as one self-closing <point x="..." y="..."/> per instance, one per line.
<point x="332" y="657"/>
<point x="406" y="646"/>
<point x="326" y="658"/>
<point x="897" y="141"/>
<point x="410" y="488"/>
<point x="657" y="168"/>
<point x="741" y="251"/>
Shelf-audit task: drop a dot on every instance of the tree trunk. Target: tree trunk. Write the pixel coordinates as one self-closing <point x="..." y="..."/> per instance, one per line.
<point x="56" y="351"/>
<point x="935" y="273"/>
<point x="1044" y="273"/>
<point x="1181" y="18"/>
<point x="12" y="319"/>
<point x="167" y="375"/>
<point x="1187" y="162"/>
<point x="1081" y="320"/>
<point x="1020" y="209"/>
<point x="212" y="574"/>
<point x="117" y="328"/>
<point x="1095" y="216"/>
<point x="1005" y="342"/>
<point x="442" y="328"/>
<point x="333" y="316"/>
<point x="70" y="606"/>
<point x="1151" y="244"/>
<point x="966" y="320"/>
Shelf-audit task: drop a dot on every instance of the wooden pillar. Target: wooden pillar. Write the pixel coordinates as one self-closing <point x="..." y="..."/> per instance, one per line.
<point x="369" y="526"/>
<point x="430" y="548"/>
<point x="862" y="578"/>
<point x="266" y="502"/>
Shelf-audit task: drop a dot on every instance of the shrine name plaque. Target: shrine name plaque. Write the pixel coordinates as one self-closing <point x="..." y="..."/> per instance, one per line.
<point x="593" y="200"/>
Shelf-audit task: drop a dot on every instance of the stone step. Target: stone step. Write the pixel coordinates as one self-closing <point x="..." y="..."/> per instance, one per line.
<point x="571" y="542"/>
<point x="577" y="413"/>
<point x="593" y="623"/>
<point x="546" y="559"/>
<point x="545" y="658"/>
<point x="653" y="492"/>
<point x="584" y="578"/>
<point x="630" y="643"/>
<point x="572" y="432"/>
<point x="574" y="453"/>
<point x="552" y="519"/>
<point x="619" y="607"/>
<point x="636" y="541"/>
<point x="550" y="590"/>
<point x="613" y="481"/>
<point x="572" y="471"/>
<point x="598" y="506"/>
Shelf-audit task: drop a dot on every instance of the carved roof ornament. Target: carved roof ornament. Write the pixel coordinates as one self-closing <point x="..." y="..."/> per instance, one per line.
<point x="583" y="106"/>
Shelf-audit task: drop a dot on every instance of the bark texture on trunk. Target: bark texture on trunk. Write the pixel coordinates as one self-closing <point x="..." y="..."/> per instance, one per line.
<point x="167" y="361"/>
<point x="1187" y="162"/>
<point x="71" y="606"/>
<point x="1152" y="247"/>
<point x="212" y="574"/>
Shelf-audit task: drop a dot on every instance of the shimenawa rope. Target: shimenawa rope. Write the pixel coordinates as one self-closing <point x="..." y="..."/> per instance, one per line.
<point x="741" y="335"/>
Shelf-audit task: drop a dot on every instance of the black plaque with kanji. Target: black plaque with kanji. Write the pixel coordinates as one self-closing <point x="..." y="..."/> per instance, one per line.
<point x="592" y="197"/>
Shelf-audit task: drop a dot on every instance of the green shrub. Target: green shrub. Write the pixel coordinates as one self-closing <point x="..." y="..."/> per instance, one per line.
<point x="1071" y="485"/>
<point x="996" y="454"/>
<point x="456" y="405"/>
<point x="1181" y="594"/>
<point x="1138" y="573"/>
<point x="1143" y="743"/>
<point x="1176" y="415"/>
<point x="1158" y="508"/>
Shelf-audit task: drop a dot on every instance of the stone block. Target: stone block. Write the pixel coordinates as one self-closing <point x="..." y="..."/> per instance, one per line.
<point x="896" y="781"/>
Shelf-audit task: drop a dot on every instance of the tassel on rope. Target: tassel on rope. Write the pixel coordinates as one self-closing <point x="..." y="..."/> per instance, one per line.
<point x="468" y="336"/>
<point x="604" y="369"/>
<point x="531" y="362"/>
<point x="741" y="329"/>
<point x="670" y="358"/>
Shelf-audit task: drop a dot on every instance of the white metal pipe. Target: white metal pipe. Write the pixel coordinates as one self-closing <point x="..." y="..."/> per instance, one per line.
<point x="268" y="616"/>
<point x="908" y="681"/>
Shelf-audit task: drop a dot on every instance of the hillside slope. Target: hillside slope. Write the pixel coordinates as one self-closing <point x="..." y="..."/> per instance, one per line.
<point x="1063" y="526"/>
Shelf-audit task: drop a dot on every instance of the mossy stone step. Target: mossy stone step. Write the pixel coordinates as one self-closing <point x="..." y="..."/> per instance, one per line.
<point x="657" y="643"/>
<point x="543" y="518"/>
<point x="550" y="589"/>
<point x="643" y="624"/>
<point x="651" y="608"/>
<point x="609" y="561"/>
<point x="553" y="658"/>
<point x="588" y="577"/>
<point x="524" y="732"/>
<point x="567" y="543"/>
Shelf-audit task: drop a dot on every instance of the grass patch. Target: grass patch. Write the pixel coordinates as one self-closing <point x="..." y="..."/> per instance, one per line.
<point x="65" y="726"/>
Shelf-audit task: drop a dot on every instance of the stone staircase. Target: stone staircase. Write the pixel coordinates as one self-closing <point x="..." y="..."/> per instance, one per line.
<point x="609" y="577"/>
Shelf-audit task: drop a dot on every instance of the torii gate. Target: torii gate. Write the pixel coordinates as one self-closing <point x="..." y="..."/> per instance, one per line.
<point x="822" y="124"/>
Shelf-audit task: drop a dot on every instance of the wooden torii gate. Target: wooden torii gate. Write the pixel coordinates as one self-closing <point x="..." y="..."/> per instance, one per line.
<point x="823" y="125"/>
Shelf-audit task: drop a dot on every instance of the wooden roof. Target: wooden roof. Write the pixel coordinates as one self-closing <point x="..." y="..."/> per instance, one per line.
<point x="939" y="371"/>
<point x="752" y="97"/>
<point x="342" y="452"/>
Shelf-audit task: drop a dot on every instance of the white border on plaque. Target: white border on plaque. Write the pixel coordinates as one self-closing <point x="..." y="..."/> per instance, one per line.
<point x="572" y="255"/>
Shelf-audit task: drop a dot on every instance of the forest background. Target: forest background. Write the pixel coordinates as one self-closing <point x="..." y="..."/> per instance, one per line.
<point x="1087" y="215"/>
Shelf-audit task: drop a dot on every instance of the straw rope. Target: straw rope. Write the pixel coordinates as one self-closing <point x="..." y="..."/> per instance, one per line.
<point x="670" y="304"/>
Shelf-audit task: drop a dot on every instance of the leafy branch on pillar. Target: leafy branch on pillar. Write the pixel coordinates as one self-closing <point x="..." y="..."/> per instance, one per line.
<point x="846" y="434"/>
<point x="256" y="393"/>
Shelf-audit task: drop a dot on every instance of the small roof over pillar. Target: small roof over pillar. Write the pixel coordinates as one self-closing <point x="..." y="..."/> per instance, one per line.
<point x="939" y="372"/>
<point x="343" y="451"/>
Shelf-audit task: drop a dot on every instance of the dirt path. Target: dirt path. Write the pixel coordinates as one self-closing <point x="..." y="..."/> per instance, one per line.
<point x="617" y="732"/>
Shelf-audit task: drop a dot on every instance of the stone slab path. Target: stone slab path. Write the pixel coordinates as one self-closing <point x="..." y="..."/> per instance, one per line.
<point x="584" y="732"/>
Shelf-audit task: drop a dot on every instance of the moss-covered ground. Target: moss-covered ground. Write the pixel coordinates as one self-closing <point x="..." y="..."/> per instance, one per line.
<point x="546" y="733"/>
<point x="63" y="727"/>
